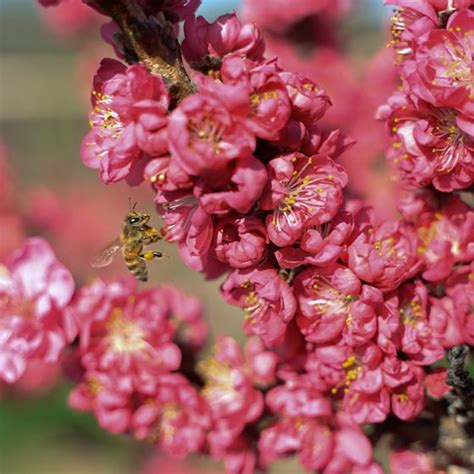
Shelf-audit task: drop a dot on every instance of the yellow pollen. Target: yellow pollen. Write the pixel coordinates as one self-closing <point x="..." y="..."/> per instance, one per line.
<point x="93" y="386"/>
<point x="349" y="362"/>
<point x="124" y="336"/>
<point x="403" y="397"/>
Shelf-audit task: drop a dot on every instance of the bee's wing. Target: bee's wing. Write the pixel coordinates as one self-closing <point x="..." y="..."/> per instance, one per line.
<point x="106" y="255"/>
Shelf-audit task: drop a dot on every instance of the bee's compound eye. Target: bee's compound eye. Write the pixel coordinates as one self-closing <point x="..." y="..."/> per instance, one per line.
<point x="133" y="220"/>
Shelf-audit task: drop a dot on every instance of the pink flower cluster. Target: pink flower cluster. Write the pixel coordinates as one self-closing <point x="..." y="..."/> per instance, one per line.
<point x="131" y="346"/>
<point x="431" y="120"/>
<point x="347" y="313"/>
<point x="35" y="322"/>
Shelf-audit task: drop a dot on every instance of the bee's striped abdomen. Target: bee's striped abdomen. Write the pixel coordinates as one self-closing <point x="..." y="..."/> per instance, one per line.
<point x="136" y="265"/>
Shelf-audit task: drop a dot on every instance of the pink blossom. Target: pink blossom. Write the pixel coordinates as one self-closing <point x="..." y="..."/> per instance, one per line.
<point x="309" y="102"/>
<point x="355" y="375"/>
<point x="332" y="143"/>
<point x="302" y="192"/>
<point x="446" y="4"/>
<point x="352" y="450"/>
<point x="35" y="289"/>
<point x="409" y="399"/>
<point x="176" y="418"/>
<point x="265" y="106"/>
<point x="187" y="224"/>
<point x="366" y="399"/>
<point x="417" y="339"/>
<point x="440" y="71"/>
<point x="447" y="328"/>
<point x="151" y="126"/>
<point x="451" y="317"/>
<point x="459" y="287"/>
<point x="237" y="188"/>
<point x="109" y="401"/>
<point x="320" y="246"/>
<point x="269" y="101"/>
<point x="126" y="334"/>
<point x="446" y="238"/>
<point x="261" y="363"/>
<point x="435" y="383"/>
<point x="291" y="136"/>
<point x="121" y="98"/>
<point x="332" y="302"/>
<point x="298" y="398"/>
<point x="205" y="136"/>
<point x="266" y="298"/>
<point x="385" y="255"/>
<point x="39" y="378"/>
<point x="413" y="203"/>
<point x="312" y="440"/>
<point x="429" y="144"/>
<point x="407" y="461"/>
<point x="396" y="372"/>
<point x="204" y="42"/>
<point x="388" y="330"/>
<point x="165" y="174"/>
<point x="185" y="312"/>
<point x="239" y="457"/>
<point x="240" y="241"/>
<point x="301" y="427"/>
<point x="229" y="393"/>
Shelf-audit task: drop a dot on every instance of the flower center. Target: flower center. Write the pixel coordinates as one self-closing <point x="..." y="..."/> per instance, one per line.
<point x="219" y="386"/>
<point x="207" y="130"/>
<point x="305" y="195"/>
<point x="411" y="313"/>
<point x="124" y="336"/>
<point x="17" y="306"/>
<point x="105" y="118"/>
<point x="390" y="248"/>
<point x="169" y="413"/>
<point x="452" y="138"/>
<point x="256" y="99"/>
<point x="352" y="370"/>
<point x="456" y="60"/>
<point x="399" y="22"/>
<point x="329" y="301"/>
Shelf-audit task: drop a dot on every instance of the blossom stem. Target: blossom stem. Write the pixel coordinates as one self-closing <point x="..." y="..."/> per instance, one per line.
<point x="151" y="41"/>
<point x="463" y="383"/>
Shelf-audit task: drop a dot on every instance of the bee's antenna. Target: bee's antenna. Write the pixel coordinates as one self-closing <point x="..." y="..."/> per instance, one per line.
<point x="129" y="203"/>
<point x="134" y="205"/>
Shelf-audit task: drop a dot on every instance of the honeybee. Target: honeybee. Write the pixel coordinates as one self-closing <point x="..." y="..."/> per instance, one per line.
<point x="135" y="235"/>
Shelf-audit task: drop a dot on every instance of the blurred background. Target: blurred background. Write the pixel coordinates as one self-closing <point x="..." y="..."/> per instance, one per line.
<point x="48" y="58"/>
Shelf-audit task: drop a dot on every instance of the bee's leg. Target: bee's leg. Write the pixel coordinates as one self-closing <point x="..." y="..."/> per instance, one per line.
<point x="152" y="235"/>
<point x="151" y="254"/>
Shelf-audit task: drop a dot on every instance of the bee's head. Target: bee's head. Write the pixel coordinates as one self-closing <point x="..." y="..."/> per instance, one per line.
<point x="136" y="219"/>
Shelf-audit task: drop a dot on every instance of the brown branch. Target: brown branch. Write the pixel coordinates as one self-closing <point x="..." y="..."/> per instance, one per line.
<point x="462" y="398"/>
<point x="150" y="40"/>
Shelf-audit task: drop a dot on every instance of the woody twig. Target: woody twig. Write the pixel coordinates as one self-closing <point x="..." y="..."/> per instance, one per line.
<point x="150" y="40"/>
